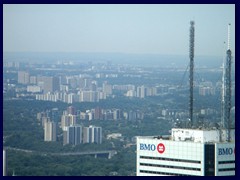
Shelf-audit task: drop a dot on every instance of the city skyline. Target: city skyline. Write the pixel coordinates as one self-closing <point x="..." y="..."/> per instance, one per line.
<point x="83" y="83"/>
<point x="138" y="28"/>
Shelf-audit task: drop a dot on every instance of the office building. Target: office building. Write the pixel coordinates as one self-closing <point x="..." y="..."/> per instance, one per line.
<point x="187" y="152"/>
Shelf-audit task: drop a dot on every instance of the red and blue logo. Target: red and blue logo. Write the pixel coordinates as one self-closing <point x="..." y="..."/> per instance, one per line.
<point x="152" y="147"/>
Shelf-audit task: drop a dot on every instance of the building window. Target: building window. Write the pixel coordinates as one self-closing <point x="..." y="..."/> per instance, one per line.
<point x="170" y="159"/>
<point x="226" y="169"/>
<point x="226" y="162"/>
<point x="164" y="173"/>
<point x="171" y="167"/>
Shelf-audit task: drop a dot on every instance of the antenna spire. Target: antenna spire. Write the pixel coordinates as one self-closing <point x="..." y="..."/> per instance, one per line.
<point x="229" y="25"/>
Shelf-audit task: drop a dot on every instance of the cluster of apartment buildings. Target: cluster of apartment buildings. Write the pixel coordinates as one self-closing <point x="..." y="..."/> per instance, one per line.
<point x="76" y="134"/>
<point x="73" y="133"/>
<point x="111" y="114"/>
<point x="85" y="88"/>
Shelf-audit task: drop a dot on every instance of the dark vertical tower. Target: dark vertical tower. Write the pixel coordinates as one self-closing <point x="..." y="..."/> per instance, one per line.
<point x="191" y="56"/>
<point x="223" y="92"/>
<point x="227" y="101"/>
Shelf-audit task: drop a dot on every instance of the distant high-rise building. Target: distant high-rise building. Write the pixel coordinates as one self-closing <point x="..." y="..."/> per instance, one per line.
<point x="203" y="91"/>
<point x="88" y="96"/>
<point x="48" y="84"/>
<point x="131" y="93"/>
<point x="50" y="131"/>
<point x="68" y="120"/>
<point x="92" y="134"/>
<point x="141" y="91"/>
<point x="116" y="114"/>
<point x="73" y="135"/>
<point x="44" y="120"/>
<point x="107" y="88"/>
<point x="55" y="115"/>
<point x="98" y="113"/>
<point x="51" y="84"/>
<point x="34" y="89"/>
<point x="71" y="110"/>
<point x="89" y="115"/>
<point x="23" y="77"/>
<point x="33" y="80"/>
<point x="93" y="86"/>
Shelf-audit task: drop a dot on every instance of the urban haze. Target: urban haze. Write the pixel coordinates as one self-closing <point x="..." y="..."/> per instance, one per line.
<point x="81" y="82"/>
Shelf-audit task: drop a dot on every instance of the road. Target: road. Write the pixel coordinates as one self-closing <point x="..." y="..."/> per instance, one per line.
<point x="110" y="153"/>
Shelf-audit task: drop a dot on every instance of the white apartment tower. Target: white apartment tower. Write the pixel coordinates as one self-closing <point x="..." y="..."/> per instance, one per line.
<point x="68" y="120"/>
<point x="50" y="131"/>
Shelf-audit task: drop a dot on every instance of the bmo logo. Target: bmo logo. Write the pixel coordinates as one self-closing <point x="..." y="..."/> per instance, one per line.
<point x="226" y="151"/>
<point x="148" y="147"/>
<point x="160" y="148"/>
<point x="152" y="147"/>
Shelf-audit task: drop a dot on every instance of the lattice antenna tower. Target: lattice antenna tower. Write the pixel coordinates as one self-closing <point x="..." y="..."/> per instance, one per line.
<point x="227" y="97"/>
<point x="191" y="56"/>
<point x="223" y="91"/>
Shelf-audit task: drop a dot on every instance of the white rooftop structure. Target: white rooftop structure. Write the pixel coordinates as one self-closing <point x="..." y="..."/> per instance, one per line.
<point x="201" y="135"/>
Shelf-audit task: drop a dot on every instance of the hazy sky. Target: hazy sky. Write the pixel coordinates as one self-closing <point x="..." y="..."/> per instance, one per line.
<point x="161" y="29"/>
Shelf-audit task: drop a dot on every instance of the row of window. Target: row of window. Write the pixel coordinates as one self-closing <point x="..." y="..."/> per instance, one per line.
<point x="170" y="159"/>
<point x="226" y="169"/>
<point x="226" y="162"/>
<point x="164" y="173"/>
<point x="172" y="167"/>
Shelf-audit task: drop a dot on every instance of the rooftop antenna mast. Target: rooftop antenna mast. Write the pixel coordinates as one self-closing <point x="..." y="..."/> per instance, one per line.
<point x="227" y="99"/>
<point x="191" y="56"/>
<point x="223" y="91"/>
